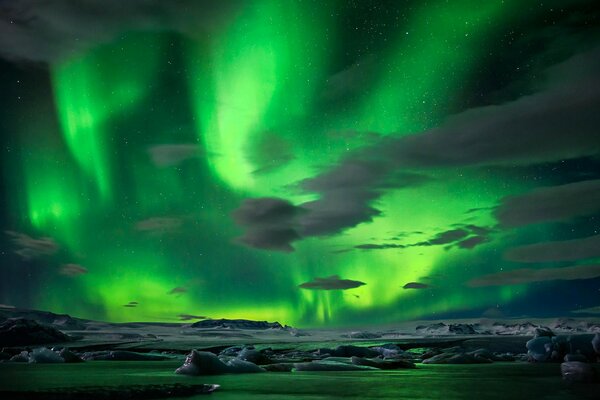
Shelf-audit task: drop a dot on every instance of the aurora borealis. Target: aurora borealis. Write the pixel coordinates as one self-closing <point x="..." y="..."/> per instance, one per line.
<point x="318" y="163"/>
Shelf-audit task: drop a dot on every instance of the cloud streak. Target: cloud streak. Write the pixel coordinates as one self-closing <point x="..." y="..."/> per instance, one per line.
<point x="30" y="248"/>
<point x="333" y="282"/>
<point x="549" y="204"/>
<point x="566" y="250"/>
<point x="529" y="275"/>
<point x="73" y="270"/>
<point x="48" y="31"/>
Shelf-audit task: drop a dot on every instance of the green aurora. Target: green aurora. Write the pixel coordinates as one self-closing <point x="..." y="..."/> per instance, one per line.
<point x="156" y="138"/>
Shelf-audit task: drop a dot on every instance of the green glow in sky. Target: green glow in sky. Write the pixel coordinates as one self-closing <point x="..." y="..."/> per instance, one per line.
<point x="250" y="107"/>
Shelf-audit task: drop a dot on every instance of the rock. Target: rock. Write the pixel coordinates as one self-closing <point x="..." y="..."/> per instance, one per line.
<point x="349" y="351"/>
<point x="576" y="371"/>
<point x="69" y="356"/>
<point x="442" y="329"/>
<point x="254" y="356"/>
<point x="20" y="331"/>
<point x="202" y="363"/>
<point x="456" y="358"/>
<point x="483" y="353"/>
<point x="232" y="351"/>
<point x="329" y="366"/>
<point x="206" y="363"/>
<point x="59" y="321"/>
<point x="279" y="367"/>
<point x="299" y="333"/>
<point x="42" y="355"/>
<point x="237" y="366"/>
<point x="388" y="350"/>
<point x="236" y="324"/>
<point x="382" y="364"/>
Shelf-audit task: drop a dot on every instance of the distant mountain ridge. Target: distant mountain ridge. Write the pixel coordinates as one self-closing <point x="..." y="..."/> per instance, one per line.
<point x="237" y="324"/>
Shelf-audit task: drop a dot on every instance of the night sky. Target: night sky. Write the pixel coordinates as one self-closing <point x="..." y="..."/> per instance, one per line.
<point x="318" y="163"/>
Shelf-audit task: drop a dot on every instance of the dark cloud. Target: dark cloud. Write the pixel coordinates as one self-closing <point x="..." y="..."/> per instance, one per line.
<point x="447" y="237"/>
<point x="178" y="290"/>
<point x="373" y="246"/>
<point x="566" y="250"/>
<point x="472" y="242"/>
<point x="460" y="237"/>
<point x="47" y="31"/>
<point x="189" y="317"/>
<point x="170" y="155"/>
<point x="73" y="270"/>
<point x="333" y="282"/>
<point x="529" y="275"/>
<point x="558" y="122"/>
<point x="29" y="248"/>
<point x="270" y="223"/>
<point x="131" y="304"/>
<point x="547" y="204"/>
<point x="345" y="196"/>
<point x="415" y="285"/>
<point x="478" y="209"/>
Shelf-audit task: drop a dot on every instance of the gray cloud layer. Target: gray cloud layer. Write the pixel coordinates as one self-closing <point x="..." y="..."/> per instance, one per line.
<point x="49" y="30"/>
<point x="548" y="204"/>
<point x="270" y="223"/>
<point x="566" y="250"/>
<point x="528" y="275"/>
<point x="29" y="248"/>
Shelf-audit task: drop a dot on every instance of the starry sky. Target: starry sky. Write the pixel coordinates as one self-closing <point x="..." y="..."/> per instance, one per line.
<point x="319" y="163"/>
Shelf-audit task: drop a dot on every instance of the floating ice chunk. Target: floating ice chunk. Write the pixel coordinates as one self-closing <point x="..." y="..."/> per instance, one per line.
<point x="540" y="348"/>
<point x="382" y="364"/>
<point x="388" y="350"/>
<point x="349" y="351"/>
<point x="577" y="371"/>
<point x="202" y="363"/>
<point x="69" y="356"/>
<point x="43" y="355"/>
<point x="596" y="343"/>
<point x="21" y="357"/>
<point x="237" y="366"/>
<point x="253" y="355"/>
<point x="206" y="363"/>
<point x="279" y="367"/>
<point x="121" y="355"/>
<point x="329" y="366"/>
